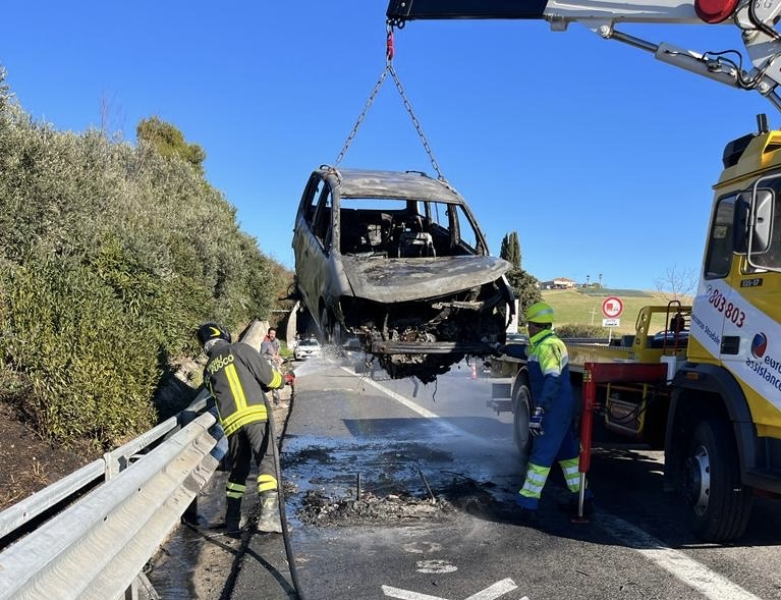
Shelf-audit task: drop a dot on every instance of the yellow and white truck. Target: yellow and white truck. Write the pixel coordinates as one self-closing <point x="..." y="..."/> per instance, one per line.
<point x="714" y="402"/>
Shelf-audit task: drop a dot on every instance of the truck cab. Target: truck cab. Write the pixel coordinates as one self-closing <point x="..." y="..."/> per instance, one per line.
<point x="721" y="427"/>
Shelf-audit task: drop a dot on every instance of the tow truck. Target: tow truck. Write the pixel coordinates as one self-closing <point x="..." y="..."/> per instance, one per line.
<point x="714" y="403"/>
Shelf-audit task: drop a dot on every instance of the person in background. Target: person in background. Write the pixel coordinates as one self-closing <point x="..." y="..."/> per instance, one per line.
<point x="237" y="377"/>
<point x="551" y="422"/>
<point x="270" y="349"/>
<point x="677" y="323"/>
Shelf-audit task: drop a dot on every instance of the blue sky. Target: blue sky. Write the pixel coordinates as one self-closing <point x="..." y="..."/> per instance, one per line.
<point x="600" y="157"/>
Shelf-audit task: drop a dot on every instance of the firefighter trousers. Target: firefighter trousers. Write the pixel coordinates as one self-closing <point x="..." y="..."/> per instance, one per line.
<point x="251" y="441"/>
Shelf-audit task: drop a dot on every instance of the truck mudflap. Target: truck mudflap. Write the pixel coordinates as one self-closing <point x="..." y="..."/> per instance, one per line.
<point x="501" y="398"/>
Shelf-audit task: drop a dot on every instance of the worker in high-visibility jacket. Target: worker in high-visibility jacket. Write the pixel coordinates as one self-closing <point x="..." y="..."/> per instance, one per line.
<point x="237" y="377"/>
<point x="551" y="417"/>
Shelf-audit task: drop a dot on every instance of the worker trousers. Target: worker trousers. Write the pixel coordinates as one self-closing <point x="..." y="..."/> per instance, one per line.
<point x="558" y="443"/>
<point x="250" y="441"/>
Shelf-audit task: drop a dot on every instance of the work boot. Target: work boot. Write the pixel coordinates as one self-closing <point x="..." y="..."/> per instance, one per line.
<point x="269" y="521"/>
<point x="233" y="522"/>
<point x="524" y="514"/>
<point x="527" y="516"/>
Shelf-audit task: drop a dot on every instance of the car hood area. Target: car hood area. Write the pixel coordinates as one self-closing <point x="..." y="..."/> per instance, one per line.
<point x="396" y="280"/>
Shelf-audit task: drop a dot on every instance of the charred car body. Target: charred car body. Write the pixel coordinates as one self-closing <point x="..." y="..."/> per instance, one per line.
<point x="397" y="259"/>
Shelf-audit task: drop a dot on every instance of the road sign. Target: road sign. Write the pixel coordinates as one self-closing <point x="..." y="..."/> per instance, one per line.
<point x="611" y="322"/>
<point x="612" y="307"/>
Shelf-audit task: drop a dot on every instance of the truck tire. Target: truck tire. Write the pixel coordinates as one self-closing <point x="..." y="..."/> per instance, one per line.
<point x="721" y="504"/>
<point x="521" y="411"/>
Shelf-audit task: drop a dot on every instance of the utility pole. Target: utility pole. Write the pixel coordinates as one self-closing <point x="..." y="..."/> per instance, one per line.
<point x="593" y="312"/>
<point x="600" y="280"/>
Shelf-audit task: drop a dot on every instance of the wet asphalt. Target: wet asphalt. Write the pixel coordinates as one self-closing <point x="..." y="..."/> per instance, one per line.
<point x="398" y="490"/>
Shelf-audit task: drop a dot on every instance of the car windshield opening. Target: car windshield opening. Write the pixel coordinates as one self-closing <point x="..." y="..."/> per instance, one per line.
<point x="404" y="228"/>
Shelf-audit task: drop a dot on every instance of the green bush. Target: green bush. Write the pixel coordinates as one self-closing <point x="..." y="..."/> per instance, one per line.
<point x="91" y="369"/>
<point x="111" y="256"/>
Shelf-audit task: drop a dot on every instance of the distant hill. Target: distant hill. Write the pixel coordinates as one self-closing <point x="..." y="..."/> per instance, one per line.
<point x="584" y="306"/>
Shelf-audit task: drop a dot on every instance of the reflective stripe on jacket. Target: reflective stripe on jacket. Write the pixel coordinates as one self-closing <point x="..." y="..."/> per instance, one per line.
<point x="237" y="377"/>
<point x="548" y="365"/>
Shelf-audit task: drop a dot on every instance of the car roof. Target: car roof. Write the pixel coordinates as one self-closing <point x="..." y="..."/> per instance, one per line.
<point x="411" y="185"/>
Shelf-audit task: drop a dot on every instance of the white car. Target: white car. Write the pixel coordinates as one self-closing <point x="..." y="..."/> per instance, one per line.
<point x="307" y="348"/>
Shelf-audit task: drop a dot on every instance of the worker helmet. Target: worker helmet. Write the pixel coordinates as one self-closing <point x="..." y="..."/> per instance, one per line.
<point x="212" y="331"/>
<point x="539" y="312"/>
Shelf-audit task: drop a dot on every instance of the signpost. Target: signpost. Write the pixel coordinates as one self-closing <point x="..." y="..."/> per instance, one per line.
<point x="612" y="307"/>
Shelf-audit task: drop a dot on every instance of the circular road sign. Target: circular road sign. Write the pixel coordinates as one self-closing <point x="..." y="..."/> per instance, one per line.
<point x="612" y="307"/>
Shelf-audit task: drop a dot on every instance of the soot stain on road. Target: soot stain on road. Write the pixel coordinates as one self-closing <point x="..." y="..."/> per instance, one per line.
<point x="381" y="483"/>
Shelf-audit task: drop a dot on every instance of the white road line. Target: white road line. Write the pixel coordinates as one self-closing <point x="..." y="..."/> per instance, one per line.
<point x="691" y="572"/>
<point x="500" y="588"/>
<point x="393" y="592"/>
<point x="423" y="412"/>
<point x="493" y="592"/>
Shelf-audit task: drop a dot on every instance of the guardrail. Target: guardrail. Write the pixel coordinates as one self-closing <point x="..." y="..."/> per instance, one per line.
<point x="113" y="514"/>
<point x="97" y="546"/>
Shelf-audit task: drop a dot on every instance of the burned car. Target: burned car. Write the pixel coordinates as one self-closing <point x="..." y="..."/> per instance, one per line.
<point x="397" y="260"/>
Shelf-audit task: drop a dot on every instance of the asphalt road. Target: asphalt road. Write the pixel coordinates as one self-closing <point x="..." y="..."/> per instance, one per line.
<point x="397" y="446"/>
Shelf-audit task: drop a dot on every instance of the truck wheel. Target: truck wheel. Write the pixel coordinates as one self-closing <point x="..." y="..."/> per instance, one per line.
<point x="521" y="410"/>
<point x="721" y="504"/>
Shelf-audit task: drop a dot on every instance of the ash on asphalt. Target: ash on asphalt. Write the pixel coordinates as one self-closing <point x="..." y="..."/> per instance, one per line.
<point x="380" y="483"/>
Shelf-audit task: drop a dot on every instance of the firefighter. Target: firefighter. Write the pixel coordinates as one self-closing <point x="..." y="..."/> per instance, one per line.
<point x="237" y="377"/>
<point x="551" y="419"/>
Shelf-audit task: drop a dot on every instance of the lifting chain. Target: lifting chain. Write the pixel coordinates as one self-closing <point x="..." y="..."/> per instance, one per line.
<point x="389" y="51"/>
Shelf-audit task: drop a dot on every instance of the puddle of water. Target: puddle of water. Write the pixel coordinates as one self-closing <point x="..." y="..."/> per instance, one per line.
<point x="313" y="365"/>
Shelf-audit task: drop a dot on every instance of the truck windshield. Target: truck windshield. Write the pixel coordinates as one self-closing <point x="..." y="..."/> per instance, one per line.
<point x="719" y="257"/>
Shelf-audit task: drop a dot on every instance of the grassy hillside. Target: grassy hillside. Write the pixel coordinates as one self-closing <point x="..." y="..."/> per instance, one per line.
<point x="585" y="306"/>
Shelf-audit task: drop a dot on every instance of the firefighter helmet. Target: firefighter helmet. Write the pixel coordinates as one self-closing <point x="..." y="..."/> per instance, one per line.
<point x="212" y="331"/>
<point x="539" y="312"/>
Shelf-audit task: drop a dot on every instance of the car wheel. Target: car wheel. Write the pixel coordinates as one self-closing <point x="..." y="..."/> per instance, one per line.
<point x="720" y="503"/>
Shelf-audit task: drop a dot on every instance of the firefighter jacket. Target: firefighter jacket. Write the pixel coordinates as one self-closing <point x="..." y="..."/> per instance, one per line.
<point x="237" y="377"/>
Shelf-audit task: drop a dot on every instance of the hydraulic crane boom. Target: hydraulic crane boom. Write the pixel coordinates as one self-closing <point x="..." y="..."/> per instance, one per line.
<point x="754" y="19"/>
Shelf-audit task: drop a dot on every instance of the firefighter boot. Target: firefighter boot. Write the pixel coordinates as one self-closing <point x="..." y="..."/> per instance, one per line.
<point x="269" y="521"/>
<point x="233" y="516"/>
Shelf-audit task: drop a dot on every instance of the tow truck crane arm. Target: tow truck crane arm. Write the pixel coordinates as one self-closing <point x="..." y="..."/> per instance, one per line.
<point x="754" y="19"/>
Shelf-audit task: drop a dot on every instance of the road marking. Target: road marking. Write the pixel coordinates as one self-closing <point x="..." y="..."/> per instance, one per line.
<point x="423" y="412"/>
<point x="686" y="569"/>
<point x="397" y="397"/>
<point x="500" y="588"/>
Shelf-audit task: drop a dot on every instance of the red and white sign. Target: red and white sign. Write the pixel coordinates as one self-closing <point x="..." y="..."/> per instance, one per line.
<point x="612" y="307"/>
